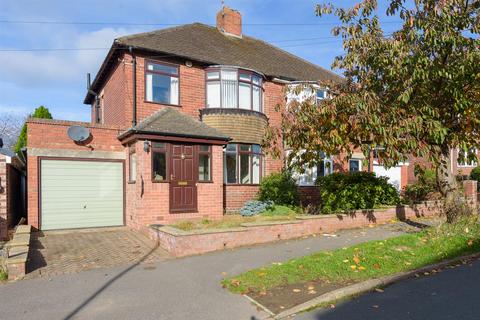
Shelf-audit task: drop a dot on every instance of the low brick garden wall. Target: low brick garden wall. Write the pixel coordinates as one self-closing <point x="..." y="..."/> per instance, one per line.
<point x="184" y="243"/>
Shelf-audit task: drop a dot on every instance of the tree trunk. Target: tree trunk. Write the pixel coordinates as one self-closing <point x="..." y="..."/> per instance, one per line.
<point x="448" y="186"/>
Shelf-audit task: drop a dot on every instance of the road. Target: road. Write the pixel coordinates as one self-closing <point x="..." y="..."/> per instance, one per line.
<point x="185" y="288"/>
<point x="452" y="294"/>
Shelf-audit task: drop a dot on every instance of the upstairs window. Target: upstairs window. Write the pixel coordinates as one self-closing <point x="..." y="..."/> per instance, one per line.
<point x="234" y="88"/>
<point x="161" y="83"/>
<point x="467" y="158"/>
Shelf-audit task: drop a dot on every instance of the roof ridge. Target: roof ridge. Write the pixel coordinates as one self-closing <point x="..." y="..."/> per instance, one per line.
<point x="161" y="31"/>
<point x="294" y="56"/>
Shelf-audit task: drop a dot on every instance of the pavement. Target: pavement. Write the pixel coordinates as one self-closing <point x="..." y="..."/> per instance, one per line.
<point x="185" y="288"/>
<point x="59" y="252"/>
<point x="449" y="295"/>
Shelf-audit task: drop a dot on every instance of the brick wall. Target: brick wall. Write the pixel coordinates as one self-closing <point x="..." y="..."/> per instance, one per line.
<point x="50" y="135"/>
<point x="235" y="196"/>
<point x="114" y="102"/>
<point x="148" y="202"/>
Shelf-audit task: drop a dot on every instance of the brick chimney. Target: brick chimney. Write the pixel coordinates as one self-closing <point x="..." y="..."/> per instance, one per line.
<point x="229" y="22"/>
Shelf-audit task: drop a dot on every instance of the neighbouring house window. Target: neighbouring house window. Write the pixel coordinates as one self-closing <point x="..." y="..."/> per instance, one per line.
<point x="132" y="162"/>
<point x="159" y="161"/>
<point x="161" y="83"/>
<point x="204" y="163"/>
<point x="243" y="164"/>
<point x="354" y="165"/>
<point x="463" y="158"/>
<point x="321" y="94"/>
<point x="310" y="172"/>
<point x="234" y="88"/>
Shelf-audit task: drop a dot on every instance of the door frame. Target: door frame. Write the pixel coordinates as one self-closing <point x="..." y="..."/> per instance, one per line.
<point x="195" y="177"/>
<point x="39" y="182"/>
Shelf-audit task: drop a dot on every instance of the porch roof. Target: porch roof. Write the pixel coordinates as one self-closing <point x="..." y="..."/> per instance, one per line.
<point x="170" y="122"/>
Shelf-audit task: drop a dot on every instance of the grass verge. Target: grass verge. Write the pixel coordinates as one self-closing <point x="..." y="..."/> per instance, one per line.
<point x="367" y="260"/>
<point x="276" y="213"/>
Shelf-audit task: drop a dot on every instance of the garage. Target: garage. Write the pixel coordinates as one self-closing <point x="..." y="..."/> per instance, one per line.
<point x="81" y="193"/>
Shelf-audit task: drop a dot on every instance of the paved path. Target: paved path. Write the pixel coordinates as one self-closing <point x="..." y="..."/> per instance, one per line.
<point x="59" y="252"/>
<point x="449" y="295"/>
<point x="187" y="288"/>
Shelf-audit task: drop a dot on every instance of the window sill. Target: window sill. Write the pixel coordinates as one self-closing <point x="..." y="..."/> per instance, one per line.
<point x="131" y="182"/>
<point x="163" y="104"/>
<point x="162" y="181"/>
<point x="204" y="181"/>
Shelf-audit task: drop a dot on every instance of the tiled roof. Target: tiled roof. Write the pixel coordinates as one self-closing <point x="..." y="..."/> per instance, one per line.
<point x="207" y="44"/>
<point x="170" y="122"/>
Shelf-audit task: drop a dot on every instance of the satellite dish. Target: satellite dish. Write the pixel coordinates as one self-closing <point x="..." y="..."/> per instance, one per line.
<point x="78" y="133"/>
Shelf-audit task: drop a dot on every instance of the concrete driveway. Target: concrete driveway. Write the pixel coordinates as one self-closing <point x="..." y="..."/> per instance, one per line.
<point x="61" y="252"/>
<point x="185" y="288"/>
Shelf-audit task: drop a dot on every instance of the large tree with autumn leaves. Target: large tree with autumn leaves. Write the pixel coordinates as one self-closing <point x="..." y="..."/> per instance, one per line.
<point x="415" y="91"/>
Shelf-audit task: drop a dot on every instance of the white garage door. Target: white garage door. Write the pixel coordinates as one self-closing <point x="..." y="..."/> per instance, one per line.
<point x="81" y="194"/>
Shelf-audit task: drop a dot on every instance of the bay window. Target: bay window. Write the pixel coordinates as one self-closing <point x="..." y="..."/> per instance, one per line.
<point x="234" y="88"/>
<point x="161" y="83"/>
<point x="243" y="164"/>
<point x="467" y="158"/>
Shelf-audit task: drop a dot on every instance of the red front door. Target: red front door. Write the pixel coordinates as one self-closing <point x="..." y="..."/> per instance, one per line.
<point x="183" y="179"/>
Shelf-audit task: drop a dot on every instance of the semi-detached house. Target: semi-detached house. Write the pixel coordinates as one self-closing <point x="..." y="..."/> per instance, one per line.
<point x="177" y="120"/>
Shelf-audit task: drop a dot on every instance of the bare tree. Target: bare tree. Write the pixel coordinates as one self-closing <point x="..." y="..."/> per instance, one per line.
<point x="10" y="126"/>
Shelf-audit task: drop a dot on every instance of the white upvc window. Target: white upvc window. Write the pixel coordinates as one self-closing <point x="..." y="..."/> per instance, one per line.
<point x="307" y="92"/>
<point x="311" y="172"/>
<point x="354" y="165"/>
<point x="462" y="158"/>
<point x="230" y="88"/>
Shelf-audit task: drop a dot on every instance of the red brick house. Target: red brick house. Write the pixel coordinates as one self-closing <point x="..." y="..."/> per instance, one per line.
<point x="177" y="120"/>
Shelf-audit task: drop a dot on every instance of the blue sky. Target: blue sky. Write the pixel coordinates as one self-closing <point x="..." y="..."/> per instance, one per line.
<point x="56" y="79"/>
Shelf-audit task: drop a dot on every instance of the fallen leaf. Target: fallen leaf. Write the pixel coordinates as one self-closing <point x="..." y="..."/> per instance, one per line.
<point x="375" y="306"/>
<point x="311" y="288"/>
<point x="224" y="273"/>
<point x="346" y="260"/>
<point x="353" y="267"/>
<point x="379" y="290"/>
<point x="361" y="268"/>
<point x="282" y="307"/>
<point x="312" y="292"/>
<point x="376" y="266"/>
<point x="297" y="290"/>
<point x="332" y="306"/>
<point x="356" y="259"/>
<point x="235" y="282"/>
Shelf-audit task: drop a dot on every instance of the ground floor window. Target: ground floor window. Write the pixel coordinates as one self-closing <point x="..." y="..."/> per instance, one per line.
<point x="132" y="165"/>
<point x="243" y="163"/>
<point x="354" y="165"/>
<point x="159" y="161"/>
<point x="467" y="158"/>
<point x="307" y="176"/>
<point x="204" y="163"/>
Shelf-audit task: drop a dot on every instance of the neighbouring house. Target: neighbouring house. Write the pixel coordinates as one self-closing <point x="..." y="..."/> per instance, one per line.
<point x="12" y="190"/>
<point x="177" y="120"/>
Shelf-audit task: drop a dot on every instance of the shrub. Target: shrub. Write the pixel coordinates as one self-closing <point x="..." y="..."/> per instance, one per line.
<point x="425" y="186"/>
<point x="280" y="188"/>
<point x="475" y="175"/>
<point x="254" y="207"/>
<point x="356" y="190"/>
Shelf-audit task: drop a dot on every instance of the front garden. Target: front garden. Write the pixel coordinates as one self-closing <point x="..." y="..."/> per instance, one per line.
<point x="313" y="275"/>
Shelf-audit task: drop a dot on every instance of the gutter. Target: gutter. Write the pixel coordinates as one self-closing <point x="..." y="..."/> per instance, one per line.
<point x="180" y="135"/>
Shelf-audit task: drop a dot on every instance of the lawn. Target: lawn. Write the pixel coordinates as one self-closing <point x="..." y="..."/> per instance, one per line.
<point x="276" y="213"/>
<point x="365" y="261"/>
